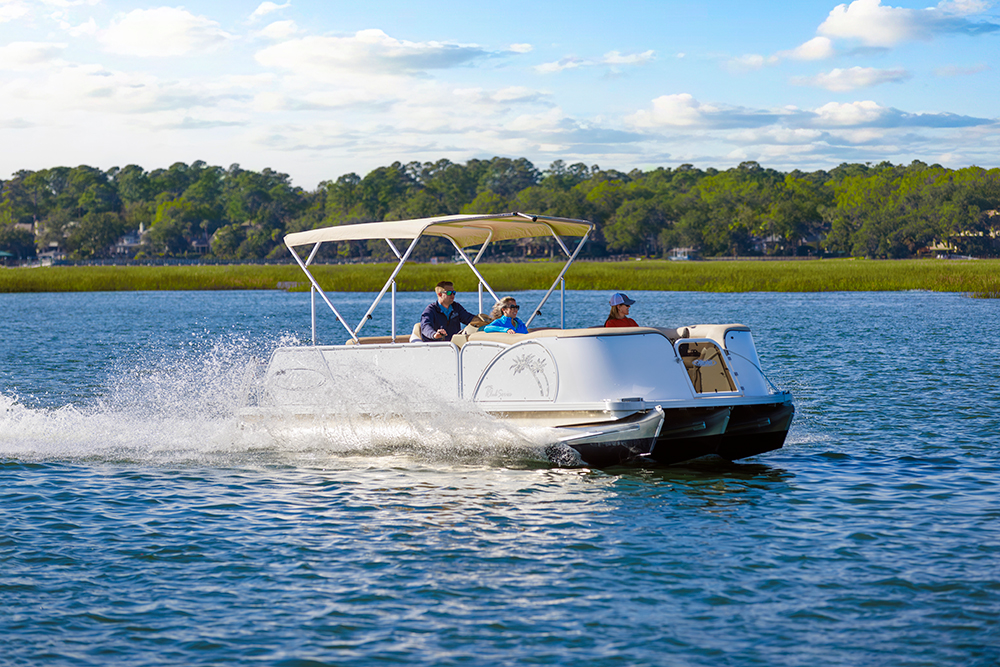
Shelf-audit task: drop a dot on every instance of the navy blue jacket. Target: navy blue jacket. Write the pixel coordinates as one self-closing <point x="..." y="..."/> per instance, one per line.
<point x="433" y="319"/>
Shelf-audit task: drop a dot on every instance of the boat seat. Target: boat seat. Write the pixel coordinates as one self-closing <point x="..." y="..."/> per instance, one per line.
<point x="415" y="334"/>
<point x="706" y="368"/>
<point x="462" y="336"/>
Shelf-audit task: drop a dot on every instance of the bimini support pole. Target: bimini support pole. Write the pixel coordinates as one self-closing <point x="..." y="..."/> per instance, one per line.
<point x="562" y="273"/>
<point x="312" y="293"/>
<point x="390" y="282"/>
<point x="472" y="265"/>
<point x="479" y="254"/>
<point x="315" y="285"/>
<point x="562" y="303"/>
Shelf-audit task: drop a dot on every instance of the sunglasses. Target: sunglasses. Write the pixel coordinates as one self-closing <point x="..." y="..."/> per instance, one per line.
<point x="450" y="292"/>
<point x="512" y="307"/>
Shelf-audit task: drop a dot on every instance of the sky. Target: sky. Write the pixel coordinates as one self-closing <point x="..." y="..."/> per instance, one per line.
<point x="321" y="88"/>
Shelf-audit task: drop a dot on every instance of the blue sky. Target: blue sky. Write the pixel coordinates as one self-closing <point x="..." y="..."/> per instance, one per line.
<point x="317" y="89"/>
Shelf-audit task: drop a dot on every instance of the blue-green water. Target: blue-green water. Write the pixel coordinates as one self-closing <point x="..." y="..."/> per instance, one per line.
<point x="140" y="526"/>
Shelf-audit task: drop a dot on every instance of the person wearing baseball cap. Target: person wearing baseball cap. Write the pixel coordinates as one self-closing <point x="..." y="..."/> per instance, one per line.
<point x="619" y="311"/>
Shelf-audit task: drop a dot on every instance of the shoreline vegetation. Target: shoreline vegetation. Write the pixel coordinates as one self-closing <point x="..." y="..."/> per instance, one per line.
<point x="205" y="212"/>
<point x="977" y="278"/>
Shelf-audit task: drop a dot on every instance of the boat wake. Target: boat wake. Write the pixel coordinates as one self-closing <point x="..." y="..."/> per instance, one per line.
<point x="186" y="410"/>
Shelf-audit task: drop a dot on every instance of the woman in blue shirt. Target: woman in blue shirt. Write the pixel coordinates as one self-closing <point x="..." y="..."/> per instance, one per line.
<point x="505" y="312"/>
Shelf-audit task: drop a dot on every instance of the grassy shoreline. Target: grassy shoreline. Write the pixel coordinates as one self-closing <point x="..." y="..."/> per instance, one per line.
<point x="979" y="277"/>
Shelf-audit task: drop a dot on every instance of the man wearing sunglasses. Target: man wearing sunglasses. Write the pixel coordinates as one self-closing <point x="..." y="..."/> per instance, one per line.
<point x="445" y="317"/>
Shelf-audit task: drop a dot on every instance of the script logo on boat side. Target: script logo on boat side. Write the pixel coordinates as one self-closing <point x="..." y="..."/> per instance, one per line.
<point x="492" y="392"/>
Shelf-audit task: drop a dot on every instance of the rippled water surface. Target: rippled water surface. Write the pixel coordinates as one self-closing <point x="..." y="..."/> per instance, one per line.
<point x="139" y="525"/>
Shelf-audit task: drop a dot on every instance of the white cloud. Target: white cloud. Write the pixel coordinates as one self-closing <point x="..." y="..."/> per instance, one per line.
<point x="817" y="48"/>
<point x="963" y="7"/>
<point x="850" y="114"/>
<point x="843" y="80"/>
<point x="69" y="3"/>
<point x="515" y="94"/>
<point x="569" y="62"/>
<point x="367" y="52"/>
<point x="30" y="55"/>
<point x="164" y="31"/>
<point x="780" y="136"/>
<point x="89" y="29"/>
<point x="266" y="8"/>
<point x="12" y="9"/>
<point x="63" y="19"/>
<point x="875" y="24"/>
<point x="521" y="48"/>
<point x="616" y="58"/>
<point x="278" y="30"/>
<point x="546" y="121"/>
<point x="861" y="136"/>
<point x="750" y="61"/>
<point x="679" y="110"/>
<point x="613" y="58"/>
<point x="504" y="96"/>
<point x="683" y="110"/>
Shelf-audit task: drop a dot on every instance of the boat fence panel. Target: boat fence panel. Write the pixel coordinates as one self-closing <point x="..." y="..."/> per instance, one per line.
<point x="476" y="357"/>
<point x="422" y="372"/>
<point x="618" y="365"/>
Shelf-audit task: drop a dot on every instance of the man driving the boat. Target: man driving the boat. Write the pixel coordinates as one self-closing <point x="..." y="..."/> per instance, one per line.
<point x="445" y="317"/>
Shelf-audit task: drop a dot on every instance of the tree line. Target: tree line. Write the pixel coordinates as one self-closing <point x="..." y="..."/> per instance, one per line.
<point x="199" y="210"/>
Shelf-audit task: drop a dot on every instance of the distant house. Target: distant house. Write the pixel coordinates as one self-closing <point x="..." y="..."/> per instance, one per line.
<point x="682" y="254"/>
<point x="128" y="244"/>
<point x="51" y="254"/>
<point x="201" y="244"/>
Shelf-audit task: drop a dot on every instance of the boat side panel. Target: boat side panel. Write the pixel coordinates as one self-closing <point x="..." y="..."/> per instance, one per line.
<point x="430" y="370"/>
<point x="296" y="376"/>
<point x="600" y="368"/>
<point x="355" y="376"/>
<point x="475" y="358"/>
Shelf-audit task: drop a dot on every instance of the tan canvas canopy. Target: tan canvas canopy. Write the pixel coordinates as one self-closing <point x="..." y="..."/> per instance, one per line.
<point x="463" y="230"/>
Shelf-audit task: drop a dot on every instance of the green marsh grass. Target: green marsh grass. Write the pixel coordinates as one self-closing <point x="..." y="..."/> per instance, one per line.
<point x="976" y="278"/>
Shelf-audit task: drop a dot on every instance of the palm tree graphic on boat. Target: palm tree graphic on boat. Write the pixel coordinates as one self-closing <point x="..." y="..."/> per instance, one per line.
<point x="535" y="366"/>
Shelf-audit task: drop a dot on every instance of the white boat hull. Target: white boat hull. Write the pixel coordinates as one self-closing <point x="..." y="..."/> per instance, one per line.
<point x="610" y="395"/>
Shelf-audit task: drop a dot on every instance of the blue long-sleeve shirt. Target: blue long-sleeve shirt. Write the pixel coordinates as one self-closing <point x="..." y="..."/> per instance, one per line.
<point x="501" y="324"/>
<point x="434" y="318"/>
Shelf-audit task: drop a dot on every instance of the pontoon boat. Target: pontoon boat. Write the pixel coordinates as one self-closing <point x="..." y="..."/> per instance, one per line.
<point x="609" y="396"/>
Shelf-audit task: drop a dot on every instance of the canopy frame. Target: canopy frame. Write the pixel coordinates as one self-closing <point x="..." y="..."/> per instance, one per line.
<point x="463" y="231"/>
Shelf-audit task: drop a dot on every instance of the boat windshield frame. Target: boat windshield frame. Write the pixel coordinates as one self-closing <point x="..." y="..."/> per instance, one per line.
<point x="464" y="232"/>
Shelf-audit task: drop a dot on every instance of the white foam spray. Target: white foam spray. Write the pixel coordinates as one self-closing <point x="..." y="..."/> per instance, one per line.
<point x="186" y="408"/>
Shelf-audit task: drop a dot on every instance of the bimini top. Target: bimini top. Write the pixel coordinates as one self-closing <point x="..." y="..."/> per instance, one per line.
<point x="464" y="230"/>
